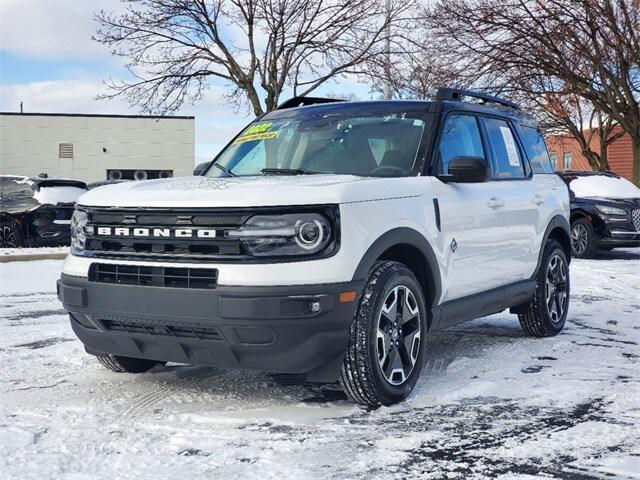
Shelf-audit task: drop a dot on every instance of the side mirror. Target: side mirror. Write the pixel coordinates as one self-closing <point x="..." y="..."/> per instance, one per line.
<point x="467" y="170"/>
<point x="200" y="168"/>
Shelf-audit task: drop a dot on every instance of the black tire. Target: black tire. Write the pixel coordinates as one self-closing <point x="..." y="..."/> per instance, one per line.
<point x="539" y="319"/>
<point x="362" y="376"/>
<point x="127" y="364"/>
<point x="582" y="239"/>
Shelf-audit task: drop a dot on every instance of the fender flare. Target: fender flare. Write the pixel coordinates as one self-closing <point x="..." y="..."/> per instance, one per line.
<point x="402" y="236"/>
<point x="561" y="222"/>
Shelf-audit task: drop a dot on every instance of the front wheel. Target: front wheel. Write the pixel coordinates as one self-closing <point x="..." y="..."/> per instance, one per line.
<point x="582" y="238"/>
<point x="387" y="338"/>
<point x="119" y="364"/>
<point x="546" y="314"/>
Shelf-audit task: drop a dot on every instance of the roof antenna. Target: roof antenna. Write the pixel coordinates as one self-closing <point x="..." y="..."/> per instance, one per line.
<point x="21" y="108"/>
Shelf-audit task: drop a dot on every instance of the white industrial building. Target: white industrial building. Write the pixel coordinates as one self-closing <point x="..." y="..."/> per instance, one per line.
<point x="91" y="147"/>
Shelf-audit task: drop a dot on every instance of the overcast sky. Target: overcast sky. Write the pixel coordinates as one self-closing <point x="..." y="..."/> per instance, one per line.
<point x="49" y="62"/>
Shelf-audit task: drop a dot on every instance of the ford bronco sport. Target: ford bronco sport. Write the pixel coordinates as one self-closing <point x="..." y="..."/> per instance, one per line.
<point x="328" y="239"/>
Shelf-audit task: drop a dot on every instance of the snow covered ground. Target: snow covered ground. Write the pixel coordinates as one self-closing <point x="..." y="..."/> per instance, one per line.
<point x="490" y="403"/>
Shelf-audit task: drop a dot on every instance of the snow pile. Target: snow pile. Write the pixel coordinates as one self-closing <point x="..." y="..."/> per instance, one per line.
<point x="27" y="252"/>
<point x="55" y="195"/>
<point x="601" y="186"/>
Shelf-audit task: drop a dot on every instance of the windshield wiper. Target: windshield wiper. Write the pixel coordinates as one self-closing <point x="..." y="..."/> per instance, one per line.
<point x="224" y="169"/>
<point x="287" y="171"/>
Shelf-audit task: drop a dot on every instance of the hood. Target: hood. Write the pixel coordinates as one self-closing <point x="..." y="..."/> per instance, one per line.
<point x="276" y="190"/>
<point x="605" y="187"/>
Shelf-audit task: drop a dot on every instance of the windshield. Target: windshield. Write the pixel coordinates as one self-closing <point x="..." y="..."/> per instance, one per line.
<point x="337" y="143"/>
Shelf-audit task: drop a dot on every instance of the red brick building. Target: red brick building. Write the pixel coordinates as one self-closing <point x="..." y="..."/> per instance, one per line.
<point x="566" y="155"/>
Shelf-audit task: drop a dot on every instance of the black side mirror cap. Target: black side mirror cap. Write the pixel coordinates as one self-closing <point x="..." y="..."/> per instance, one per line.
<point x="466" y="170"/>
<point x="200" y="168"/>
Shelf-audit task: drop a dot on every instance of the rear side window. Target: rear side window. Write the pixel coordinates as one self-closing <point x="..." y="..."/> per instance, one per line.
<point x="460" y="138"/>
<point x="536" y="150"/>
<point x="505" y="155"/>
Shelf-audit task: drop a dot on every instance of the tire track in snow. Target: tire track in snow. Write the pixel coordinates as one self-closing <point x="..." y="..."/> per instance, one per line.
<point x="142" y="403"/>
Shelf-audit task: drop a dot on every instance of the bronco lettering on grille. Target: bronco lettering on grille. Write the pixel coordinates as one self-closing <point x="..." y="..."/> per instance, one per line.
<point x="156" y="232"/>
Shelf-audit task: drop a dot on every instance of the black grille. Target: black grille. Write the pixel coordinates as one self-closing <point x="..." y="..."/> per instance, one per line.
<point x="635" y="215"/>
<point x="176" y="277"/>
<point x="156" y="327"/>
<point x="151" y="247"/>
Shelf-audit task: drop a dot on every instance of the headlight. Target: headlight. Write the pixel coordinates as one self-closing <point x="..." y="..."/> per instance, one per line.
<point x="610" y="210"/>
<point x="78" y="230"/>
<point x="285" y="235"/>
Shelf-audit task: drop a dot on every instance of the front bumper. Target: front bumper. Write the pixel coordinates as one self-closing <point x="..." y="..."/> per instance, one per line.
<point x="619" y="234"/>
<point x="272" y="329"/>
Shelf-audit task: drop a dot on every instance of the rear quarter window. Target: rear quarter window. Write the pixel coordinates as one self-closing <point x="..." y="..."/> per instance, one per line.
<point x="536" y="149"/>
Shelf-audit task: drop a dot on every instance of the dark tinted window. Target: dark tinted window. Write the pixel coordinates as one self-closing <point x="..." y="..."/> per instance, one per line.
<point x="13" y="189"/>
<point x="505" y="155"/>
<point x="460" y="138"/>
<point x="536" y="150"/>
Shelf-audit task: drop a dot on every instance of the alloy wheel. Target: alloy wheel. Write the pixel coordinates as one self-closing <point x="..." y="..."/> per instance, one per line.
<point x="398" y="335"/>
<point x="556" y="288"/>
<point x="8" y="237"/>
<point x="579" y="238"/>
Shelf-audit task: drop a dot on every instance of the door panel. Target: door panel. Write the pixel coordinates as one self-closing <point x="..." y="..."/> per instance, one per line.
<point x="469" y="225"/>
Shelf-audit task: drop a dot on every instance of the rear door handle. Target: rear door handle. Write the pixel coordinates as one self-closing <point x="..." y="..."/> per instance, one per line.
<point x="495" y="202"/>
<point x="538" y="200"/>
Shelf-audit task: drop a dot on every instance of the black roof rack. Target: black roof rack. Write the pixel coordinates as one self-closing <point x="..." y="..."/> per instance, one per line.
<point x="304" y="101"/>
<point x="456" y="94"/>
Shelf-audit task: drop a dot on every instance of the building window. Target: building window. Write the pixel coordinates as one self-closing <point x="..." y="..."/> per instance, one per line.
<point x="554" y="160"/>
<point x="65" y="150"/>
<point x="566" y="161"/>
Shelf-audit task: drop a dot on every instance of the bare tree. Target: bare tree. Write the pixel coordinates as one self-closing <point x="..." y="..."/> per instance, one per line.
<point x="175" y="48"/>
<point x="587" y="49"/>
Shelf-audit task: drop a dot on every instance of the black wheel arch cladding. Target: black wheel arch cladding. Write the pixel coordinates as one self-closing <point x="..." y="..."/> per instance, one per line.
<point x="558" y="229"/>
<point x="407" y="243"/>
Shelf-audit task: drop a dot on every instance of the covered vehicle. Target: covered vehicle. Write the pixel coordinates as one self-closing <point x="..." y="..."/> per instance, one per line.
<point x="605" y="212"/>
<point x="37" y="211"/>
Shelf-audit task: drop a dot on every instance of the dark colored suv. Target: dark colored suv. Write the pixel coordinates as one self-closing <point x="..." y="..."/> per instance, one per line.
<point x="605" y="212"/>
<point x="36" y="211"/>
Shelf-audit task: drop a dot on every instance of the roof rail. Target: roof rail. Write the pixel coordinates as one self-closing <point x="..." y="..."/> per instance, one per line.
<point x="456" y="94"/>
<point x="304" y="101"/>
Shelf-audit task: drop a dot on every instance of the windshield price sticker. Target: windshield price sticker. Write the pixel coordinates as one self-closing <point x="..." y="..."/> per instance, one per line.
<point x="255" y="136"/>
<point x="259" y="131"/>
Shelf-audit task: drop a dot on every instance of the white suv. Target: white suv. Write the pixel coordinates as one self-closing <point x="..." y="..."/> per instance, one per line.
<point x="328" y="239"/>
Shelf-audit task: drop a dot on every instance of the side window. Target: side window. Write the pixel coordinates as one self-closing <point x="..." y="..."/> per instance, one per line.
<point x="505" y="156"/>
<point x="566" y="160"/>
<point x="554" y="160"/>
<point x="460" y="138"/>
<point x="536" y="150"/>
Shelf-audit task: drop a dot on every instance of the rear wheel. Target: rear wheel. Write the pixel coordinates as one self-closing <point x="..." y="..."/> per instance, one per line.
<point x="546" y="314"/>
<point x="582" y="238"/>
<point x="126" y="364"/>
<point x="387" y="338"/>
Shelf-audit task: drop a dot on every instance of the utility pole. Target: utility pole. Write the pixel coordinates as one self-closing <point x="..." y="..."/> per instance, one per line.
<point x="387" y="80"/>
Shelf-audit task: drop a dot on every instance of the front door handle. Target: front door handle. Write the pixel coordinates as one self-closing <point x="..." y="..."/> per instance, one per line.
<point x="495" y="202"/>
